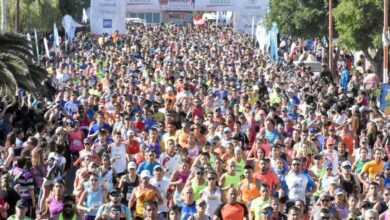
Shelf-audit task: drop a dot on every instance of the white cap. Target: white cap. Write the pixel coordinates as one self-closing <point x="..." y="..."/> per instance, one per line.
<point x="227" y="129"/>
<point x="130" y="132"/>
<point x="145" y="174"/>
<point x="346" y="163"/>
<point x="237" y="149"/>
<point x="131" y="165"/>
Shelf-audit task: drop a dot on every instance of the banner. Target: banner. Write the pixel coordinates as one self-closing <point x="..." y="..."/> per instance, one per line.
<point x="247" y="10"/>
<point x="385" y="98"/>
<point x="143" y="5"/>
<point x="108" y="16"/>
<point x="180" y="5"/>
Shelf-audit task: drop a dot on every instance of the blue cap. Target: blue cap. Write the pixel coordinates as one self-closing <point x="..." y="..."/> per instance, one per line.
<point x="386" y="165"/>
<point x="328" y="165"/>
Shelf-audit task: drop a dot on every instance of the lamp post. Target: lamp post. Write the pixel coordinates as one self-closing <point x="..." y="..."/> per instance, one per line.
<point x="385" y="44"/>
<point x="330" y="32"/>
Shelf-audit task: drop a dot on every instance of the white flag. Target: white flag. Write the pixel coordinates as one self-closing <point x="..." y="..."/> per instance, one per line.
<point x="46" y="47"/>
<point x="85" y="16"/>
<point x="56" y="41"/>
<point x="36" y="43"/>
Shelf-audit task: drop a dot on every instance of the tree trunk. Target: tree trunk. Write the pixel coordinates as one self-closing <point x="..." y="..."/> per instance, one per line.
<point x="376" y="62"/>
<point x="17" y="16"/>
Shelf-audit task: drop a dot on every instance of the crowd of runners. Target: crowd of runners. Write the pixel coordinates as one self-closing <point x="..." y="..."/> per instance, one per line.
<point x="179" y="122"/>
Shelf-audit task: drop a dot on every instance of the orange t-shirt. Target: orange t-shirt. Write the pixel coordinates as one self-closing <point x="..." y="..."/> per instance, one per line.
<point x="347" y="139"/>
<point x="232" y="212"/>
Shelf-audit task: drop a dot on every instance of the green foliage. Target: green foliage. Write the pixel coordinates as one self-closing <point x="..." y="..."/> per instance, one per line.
<point x="40" y="14"/>
<point x="359" y="23"/>
<point x="299" y="18"/>
<point x="16" y="67"/>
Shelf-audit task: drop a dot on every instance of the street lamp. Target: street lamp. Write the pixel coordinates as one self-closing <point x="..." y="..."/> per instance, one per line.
<point x="385" y="42"/>
<point x="330" y="32"/>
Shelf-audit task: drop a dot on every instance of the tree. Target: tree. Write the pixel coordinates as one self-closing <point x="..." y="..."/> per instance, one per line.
<point x="16" y="67"/>
<point x="360" y="25"/>
<point x="299" y="18"/>
<point x="40" y="14"/>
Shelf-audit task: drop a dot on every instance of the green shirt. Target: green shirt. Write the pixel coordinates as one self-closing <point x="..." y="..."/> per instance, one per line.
<point x="13" y="217"/>
<point x="257" y="207"/>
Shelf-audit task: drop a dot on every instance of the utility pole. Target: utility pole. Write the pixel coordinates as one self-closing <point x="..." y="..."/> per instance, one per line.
<point x="17" y="16"/>
<point x="330" y="26"/>
<point x="385" y="44"/>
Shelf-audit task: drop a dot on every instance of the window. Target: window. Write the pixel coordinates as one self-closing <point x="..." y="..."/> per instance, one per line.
<point x="156" y="18"/>
<point x="149" y="18"/>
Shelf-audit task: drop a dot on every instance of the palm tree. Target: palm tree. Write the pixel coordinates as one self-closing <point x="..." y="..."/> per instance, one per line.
<point x="17" y="69"/>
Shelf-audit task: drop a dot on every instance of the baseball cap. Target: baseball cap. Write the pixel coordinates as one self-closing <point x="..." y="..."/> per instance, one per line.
<point x="157" y="167"/>
<point x="386" y="165"/>
<point x="328" y="165"/>
<point x="21" y="204"/>
<point x="237" y="149"/>
<point x="364" y="140"/>
<point x="332" y="127"/>
<point x="145" y="174"/>
<point x="200" y="202"/>
<point x="130" y="133"/>
<point x="199" y="170"/>
<point x="87" y="140"/>
<point x="227" y="129"/>
<point x="346" y="164"/>
<point x="339" y="191"/>
<point x="325" y="195"/>
<point x="131" y="165"/>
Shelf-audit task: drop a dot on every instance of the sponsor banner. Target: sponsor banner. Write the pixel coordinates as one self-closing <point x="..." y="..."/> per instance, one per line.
<point x="181" y="5"/>
<point x="177" y="16"/>
<point x="246" y="11"/>
<point x="143" y="5"/>
<point x="107" y="16"/>
<point x="385" y="99"/>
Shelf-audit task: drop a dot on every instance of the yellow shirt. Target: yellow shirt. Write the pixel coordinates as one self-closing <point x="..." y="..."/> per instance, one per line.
<point x="373" y="167"/>
<point x="257" y="207"/>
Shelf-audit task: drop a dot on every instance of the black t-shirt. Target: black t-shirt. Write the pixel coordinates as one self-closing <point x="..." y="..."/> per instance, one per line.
<point x="11" y="197"/>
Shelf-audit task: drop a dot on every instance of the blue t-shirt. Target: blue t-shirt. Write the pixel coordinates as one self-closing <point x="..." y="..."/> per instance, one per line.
<point x="186" y="210"/>
<point x="96" y="127"/>
<point x="387" y="182"/>
<point x="146" y="165"/>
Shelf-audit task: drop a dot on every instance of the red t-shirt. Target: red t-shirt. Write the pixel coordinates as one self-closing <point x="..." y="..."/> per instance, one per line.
<point x="132" y="146"/>
<point x="269" y="178"/>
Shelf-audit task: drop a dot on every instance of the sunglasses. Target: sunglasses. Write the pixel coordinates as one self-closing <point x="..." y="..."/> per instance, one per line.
<point x="114" y="194"/>
<point x="199" y="173"/>
<point x="115" y="212"/>
<point x="94" y="180"/>
<point x="211" y="178"/>
<point x="296" y="164"/>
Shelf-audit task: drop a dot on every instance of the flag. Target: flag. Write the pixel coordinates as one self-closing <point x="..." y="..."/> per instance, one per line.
<point x="46" y="47"/>
<point x="29" y="43"/>
<point x="36" y="43"/>
<point x="85" y="17"/>
<point x="56" y="41"/>
<point x="198" y="21"/>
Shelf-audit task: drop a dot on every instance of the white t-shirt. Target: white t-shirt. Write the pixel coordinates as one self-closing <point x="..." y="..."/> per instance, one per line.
<point x="162" y="186"/>
<point x="59" y="158"/>
<point x="119" y="154"/>
<point x="169" y="164"/>
<point x="297" y="186"/>
<point x="213" y="200"/>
